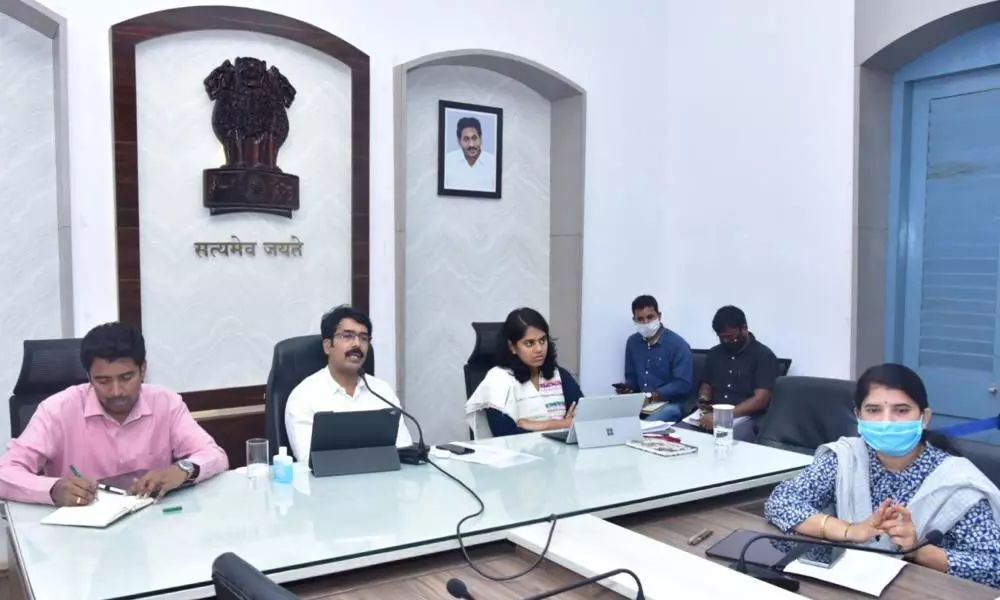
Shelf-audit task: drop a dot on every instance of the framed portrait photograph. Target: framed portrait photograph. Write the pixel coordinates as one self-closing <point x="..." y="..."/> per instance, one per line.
<point x="470" y="150"/>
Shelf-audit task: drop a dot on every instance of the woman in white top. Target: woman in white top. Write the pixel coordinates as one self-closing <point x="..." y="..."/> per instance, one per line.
<point x="527" y="390"/>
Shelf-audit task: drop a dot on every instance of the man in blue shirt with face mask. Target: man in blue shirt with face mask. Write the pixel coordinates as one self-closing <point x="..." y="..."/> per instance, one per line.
<point x="657" y="362"/>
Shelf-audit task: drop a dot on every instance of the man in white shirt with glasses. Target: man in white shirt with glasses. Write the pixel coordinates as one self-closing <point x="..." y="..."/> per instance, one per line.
<point x="338" y="387"/>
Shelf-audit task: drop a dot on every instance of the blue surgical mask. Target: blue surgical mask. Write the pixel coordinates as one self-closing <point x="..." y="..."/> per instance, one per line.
<point x="892" y="438"/>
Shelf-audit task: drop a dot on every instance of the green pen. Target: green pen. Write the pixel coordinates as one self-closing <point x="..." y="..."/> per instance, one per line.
<point x="100" y="486"/>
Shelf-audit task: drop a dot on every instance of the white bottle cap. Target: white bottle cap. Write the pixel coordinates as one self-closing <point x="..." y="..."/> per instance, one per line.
<point x="282" y="451"/>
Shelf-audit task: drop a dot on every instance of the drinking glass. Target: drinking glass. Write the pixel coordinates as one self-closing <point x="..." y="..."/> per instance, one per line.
<point x="722" y="417"/>
<point x="258" y="458"/>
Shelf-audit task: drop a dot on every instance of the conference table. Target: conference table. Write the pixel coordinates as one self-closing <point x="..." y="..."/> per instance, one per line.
<point x="328" y="527"/>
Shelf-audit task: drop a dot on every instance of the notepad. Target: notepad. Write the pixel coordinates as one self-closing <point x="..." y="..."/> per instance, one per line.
<point x="103" y="511"/>
<point x="662" y="447"/>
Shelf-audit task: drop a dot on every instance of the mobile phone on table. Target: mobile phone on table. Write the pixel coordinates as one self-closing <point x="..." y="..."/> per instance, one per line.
<point x="456" y="449"/>
<point x="821" y="556"/>
<point x="621" y="388"/>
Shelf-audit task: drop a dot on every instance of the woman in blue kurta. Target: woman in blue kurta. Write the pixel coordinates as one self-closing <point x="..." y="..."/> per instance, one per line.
<point x="895" y="483"/>
<point x="527" y="390"/>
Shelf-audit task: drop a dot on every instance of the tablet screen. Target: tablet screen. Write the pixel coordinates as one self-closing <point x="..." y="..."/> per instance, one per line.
<point x="763" y="553"/>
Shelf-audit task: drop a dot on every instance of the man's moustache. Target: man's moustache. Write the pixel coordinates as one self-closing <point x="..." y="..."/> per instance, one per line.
<point x="357" y="353"/>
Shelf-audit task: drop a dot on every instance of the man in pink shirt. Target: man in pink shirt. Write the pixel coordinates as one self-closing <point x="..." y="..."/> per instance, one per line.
<point x="113" y="425"/>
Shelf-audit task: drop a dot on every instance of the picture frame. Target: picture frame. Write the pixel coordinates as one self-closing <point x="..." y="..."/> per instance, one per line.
<point x="470" y="150"/>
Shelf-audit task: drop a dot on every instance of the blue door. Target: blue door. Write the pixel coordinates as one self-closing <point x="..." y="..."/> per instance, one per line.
<point x="952" y="240"/>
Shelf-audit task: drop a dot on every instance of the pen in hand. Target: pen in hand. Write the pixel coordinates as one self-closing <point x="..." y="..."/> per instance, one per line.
<point x="100" y="486"/>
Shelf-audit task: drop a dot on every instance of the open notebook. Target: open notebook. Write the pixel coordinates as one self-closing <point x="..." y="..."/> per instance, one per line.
<point x="103" y="511"/>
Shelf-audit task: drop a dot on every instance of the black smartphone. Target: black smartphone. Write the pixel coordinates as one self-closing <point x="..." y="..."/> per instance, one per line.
<point x="456" y="449"/>
<point x="821" y="556"/>
<point x="622" y="388"/>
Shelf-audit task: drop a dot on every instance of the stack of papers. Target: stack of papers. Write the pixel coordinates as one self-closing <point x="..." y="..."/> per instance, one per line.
<point x="864" y="572"/>
<point x="493" y="456"/>
<point x="655" y="426"/>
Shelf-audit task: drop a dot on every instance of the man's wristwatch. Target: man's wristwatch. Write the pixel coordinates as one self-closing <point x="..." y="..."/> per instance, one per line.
<point x="190" y="468"/>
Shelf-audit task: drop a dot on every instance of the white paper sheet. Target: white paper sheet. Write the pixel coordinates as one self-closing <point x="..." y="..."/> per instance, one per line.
<point x="695" y="419"/>
<point x="864" y="572"/>
<point x="499" y="458"/>
<point x="655" y="426"/>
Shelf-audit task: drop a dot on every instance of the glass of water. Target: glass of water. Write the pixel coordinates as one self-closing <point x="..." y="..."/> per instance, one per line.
<point x="258" y="458"/>
<point x="722" y="417"/>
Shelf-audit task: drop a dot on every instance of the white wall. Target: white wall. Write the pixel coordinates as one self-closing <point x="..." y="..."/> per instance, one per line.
<point x="719" y="156"/>
<point x="29" y="269"/>
<point x="469" y="259"/>
<point x="194" y="307"/>
<point x="613" y="50"/>
<point x="758" y="161"/>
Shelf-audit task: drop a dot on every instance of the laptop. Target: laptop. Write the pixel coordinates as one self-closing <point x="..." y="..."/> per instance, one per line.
<point x="603" y="421"/>
<point x="352" y="442"/>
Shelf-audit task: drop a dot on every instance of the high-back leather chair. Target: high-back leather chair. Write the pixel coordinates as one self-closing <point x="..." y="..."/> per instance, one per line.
<point x="236" y="579"/>
<point x="47" y="367"/>
<point x="483" y="357"/>
<point x="294" y="359"/>
<point x="986" y="457"/>
<point x="807" y="412"/>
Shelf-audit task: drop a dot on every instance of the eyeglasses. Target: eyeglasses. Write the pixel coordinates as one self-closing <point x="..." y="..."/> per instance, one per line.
<point x="350" y="336"/>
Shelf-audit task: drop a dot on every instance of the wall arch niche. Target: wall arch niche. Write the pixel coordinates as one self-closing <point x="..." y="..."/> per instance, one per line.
<point x="460" y="260"/>
<point x="35" y="238"/>
<point x="211" y="324"/>
<point x="886" y="79"/>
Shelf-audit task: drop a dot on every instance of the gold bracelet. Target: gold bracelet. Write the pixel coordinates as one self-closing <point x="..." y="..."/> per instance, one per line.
<point x="822" y="527"/>
<point x="847" y="529"/>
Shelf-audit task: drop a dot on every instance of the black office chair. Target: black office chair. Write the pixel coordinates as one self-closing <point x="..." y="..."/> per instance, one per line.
<point x="483" y="357"/>
<point x="807" y="412"/>
<point x="986" y="457"/>
<point x="700" y="359"/>
<point x="47" y="367"/>
<point x="294" y="359"/>
<point x="236" y="579"/>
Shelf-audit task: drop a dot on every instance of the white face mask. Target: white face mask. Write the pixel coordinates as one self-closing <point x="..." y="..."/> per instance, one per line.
<point x="648" y="330"/>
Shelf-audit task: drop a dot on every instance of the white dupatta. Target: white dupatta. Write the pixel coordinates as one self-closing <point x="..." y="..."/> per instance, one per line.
<point x="940" y="502"/>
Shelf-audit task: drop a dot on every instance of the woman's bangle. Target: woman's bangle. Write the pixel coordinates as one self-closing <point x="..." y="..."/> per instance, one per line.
<point x="822" y="527"/>
<point x="847" y="530"/>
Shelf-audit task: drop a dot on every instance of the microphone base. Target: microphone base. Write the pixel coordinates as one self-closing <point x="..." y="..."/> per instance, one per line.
<point x="769" y="576"/>
<point x="415" y="454"/>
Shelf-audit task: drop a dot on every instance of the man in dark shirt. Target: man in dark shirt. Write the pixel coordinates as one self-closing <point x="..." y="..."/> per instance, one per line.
<point x="658" y="362"/>
<point x="739" y="371"/>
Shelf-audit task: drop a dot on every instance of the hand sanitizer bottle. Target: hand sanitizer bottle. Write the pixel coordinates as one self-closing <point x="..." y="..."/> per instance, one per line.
<point x="282" y="466"/>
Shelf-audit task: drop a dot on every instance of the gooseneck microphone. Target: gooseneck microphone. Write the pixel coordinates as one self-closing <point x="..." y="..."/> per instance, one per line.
<point x="458" y="589"/>
<point x="640" y="595"/>
<point x="776" y="578"/>
<point x="412" y="455"/>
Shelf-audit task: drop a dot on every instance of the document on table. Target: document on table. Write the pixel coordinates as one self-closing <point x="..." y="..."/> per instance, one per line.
<point x="655" y="426"/>
<point x="864" y="572"/>
<point x="695" y="419"/>
<point x="493" y="456"/>
<point x="103" y="511"/>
